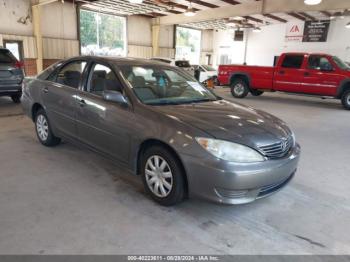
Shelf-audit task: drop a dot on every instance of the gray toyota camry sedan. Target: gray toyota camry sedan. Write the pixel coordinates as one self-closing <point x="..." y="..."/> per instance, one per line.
<point x="160" y="123"/>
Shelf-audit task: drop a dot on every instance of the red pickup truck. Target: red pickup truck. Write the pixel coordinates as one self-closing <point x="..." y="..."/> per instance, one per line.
<point x="314" y="74"/>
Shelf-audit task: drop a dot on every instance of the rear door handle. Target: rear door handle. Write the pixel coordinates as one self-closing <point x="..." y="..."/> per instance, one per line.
<point x="82" y="102"/>
<point x="306" y="74"/>
<point x="282" y="72"/>
<point x="45" y="90"/>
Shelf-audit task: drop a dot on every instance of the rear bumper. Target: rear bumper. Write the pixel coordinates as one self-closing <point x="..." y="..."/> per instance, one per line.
<point x="232" y="183"/>
<point x="10" y="89"/>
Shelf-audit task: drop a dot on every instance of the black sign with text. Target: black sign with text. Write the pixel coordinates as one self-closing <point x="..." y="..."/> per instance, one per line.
<point x="316" y="31"/>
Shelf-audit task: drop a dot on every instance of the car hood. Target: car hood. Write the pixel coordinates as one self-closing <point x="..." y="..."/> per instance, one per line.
<point x="230" y="121"/>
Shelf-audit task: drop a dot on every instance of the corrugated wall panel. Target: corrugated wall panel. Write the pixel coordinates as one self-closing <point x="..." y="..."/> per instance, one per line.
<point x="167" y="52"/>
<point x="139" y="51"/>
<point x="59" y="48"/>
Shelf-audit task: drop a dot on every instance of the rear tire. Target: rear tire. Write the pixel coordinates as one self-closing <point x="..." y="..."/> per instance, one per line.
<point x="43" y="130"/>
<point x="255" y="92"/>
<point x="16" y="98"/>
<point x="346" y="99"/>
<point x="162" y="176"/>
<point x="239" y="88"/>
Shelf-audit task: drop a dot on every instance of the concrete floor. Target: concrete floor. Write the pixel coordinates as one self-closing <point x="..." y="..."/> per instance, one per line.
<point x="66" y="200"/>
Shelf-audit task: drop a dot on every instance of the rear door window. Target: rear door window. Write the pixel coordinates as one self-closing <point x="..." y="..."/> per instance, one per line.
<point x="6" y="57"/>
<point x="71" y="74"/>
<point x="293" y="61"/>
<point x="102" y="78"/>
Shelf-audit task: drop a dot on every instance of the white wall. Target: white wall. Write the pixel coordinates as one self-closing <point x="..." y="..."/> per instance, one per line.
<point x="263" y="46"/>
<point x="10" y="12"/>
<point x="59" y="21"/>
<point x="139" y="30"/>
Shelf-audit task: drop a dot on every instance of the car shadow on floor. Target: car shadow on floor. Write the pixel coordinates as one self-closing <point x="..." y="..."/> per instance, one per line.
<point x="8" y="108"/>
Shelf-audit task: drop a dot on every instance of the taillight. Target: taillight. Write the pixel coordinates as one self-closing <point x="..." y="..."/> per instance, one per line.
<point x="19" y="64"/>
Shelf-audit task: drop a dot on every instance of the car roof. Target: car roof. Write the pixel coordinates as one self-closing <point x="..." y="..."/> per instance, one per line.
<point x="120" y="60"/>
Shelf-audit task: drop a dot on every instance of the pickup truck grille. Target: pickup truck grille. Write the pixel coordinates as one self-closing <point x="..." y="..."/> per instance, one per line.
<point x="279" y="149"/>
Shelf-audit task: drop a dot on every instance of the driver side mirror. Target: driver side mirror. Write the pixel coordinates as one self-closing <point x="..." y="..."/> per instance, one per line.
<point x="116" y="97"/>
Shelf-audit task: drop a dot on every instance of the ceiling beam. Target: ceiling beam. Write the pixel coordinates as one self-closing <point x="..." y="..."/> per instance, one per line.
<point x="253" y="19"/>
<point x="206" y="4"/>
<point x="231" y="2"/>
<point x="276" y="18"/>
<point x="297" y="16"/>
<point x="310" y="17"/>
<point x="254" y="7"/>
<point x="326" y="13"/>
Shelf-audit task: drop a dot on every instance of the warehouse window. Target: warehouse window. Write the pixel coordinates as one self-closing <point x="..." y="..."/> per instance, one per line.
<point x="188" y="44"/>
<point x="102" y="34"/>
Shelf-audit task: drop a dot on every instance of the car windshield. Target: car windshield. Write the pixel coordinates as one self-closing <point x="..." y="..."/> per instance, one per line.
<point x="340" y="63"/>
<point x="155" y="85"/>
<point x="208" y="68"/>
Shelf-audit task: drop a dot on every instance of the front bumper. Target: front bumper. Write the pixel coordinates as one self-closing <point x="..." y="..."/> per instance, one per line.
<point x="233" y="183"/>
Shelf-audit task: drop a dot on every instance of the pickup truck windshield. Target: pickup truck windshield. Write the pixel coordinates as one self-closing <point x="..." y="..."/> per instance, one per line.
<point x="155" y="85"/>
<point x="342" y="65"/>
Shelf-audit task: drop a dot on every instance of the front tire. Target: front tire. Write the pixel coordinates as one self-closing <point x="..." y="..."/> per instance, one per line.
<point x="239" y="88"/>
<point x="163" y="176"/>
<point x="346" y="100"/>
<point x="43" y="130"/>
<point x="16" y="98"/>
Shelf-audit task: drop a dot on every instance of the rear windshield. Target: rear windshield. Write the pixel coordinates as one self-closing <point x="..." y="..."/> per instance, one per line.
<point x="182" y="64"/>
<point x="6" y="57"/>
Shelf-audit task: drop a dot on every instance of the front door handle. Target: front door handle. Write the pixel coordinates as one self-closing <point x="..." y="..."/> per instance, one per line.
<point x="82" y="102"/>
<point x="281" y="72"/>
<point x="45" y="90"/>
<point x="306" y="74"/>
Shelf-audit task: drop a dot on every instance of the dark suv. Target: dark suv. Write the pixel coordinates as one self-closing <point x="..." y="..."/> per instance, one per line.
<point x="11" y="75"/>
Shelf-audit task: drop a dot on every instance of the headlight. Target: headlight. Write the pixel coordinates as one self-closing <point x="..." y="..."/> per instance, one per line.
<point x="230" y="151"/>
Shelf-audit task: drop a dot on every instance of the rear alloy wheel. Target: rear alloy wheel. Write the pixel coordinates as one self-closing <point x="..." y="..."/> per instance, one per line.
<point x="256" y="92"/>
<point x="43" y="130"/>
<point x="16" y="98"/>
<point x="346" y="100"/>
<point x="239" y="88"/>
<point x="162" y="176"/>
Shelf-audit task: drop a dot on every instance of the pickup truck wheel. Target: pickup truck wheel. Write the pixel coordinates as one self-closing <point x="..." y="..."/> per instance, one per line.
<point x="256" y="92"/>
<point x="239" y="88"/>
<point x="346" y="100"/>
<point x="43" y="130"/>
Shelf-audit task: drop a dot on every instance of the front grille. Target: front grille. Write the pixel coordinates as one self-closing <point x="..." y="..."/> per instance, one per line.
<point x="277" y="150"/>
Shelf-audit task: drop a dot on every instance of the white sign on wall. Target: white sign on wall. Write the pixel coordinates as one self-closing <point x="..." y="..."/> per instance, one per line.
<point x="295" y="31"/>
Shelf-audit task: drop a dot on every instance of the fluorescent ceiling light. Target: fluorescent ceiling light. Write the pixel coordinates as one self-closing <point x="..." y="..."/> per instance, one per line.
<point x="136" y="1"/>
<point x="348" y="25"/>
<point x="312" y="2"/>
